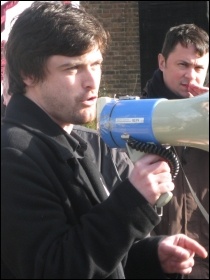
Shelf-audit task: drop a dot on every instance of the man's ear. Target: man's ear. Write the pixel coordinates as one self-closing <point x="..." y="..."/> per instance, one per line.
<point x="28" y="80"/>
<point x="161" y="61"/>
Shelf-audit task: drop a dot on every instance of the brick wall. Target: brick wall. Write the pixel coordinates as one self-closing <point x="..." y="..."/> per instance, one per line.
<point x="121" y="68"/>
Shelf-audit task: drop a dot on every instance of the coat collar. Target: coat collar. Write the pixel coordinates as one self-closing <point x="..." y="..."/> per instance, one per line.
<point x="156" y="88"/>
<point x="24" y="113"/>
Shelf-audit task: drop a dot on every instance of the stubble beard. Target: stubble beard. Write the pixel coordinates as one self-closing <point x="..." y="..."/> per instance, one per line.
<point x="81" y="119"/>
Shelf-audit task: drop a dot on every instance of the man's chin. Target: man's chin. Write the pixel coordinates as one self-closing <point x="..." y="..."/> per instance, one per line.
<point x="88" y="119"/>
<point x="185" y="94"/>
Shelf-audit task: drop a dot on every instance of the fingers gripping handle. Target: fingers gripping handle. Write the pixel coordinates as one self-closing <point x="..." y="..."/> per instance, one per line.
<point x="134" y="156"/>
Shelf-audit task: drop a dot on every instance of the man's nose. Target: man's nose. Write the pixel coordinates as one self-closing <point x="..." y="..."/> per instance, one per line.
<point x="191" y="73"/>
<point x="90" y="79"/>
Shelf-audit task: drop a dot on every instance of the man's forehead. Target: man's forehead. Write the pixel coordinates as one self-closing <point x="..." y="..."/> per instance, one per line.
<point x="85" y="58"/>
<point x="189" y="51"/>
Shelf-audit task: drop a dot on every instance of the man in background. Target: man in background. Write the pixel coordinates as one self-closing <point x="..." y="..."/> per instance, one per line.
<point x="183" y="66"/>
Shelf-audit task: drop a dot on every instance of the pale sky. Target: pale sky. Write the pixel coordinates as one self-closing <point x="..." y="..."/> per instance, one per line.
<point x="17" y="9"/>
<point x="11" y="13"/>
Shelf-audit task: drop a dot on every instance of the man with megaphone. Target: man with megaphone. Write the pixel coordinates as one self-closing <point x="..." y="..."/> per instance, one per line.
<point x="57" y="221"/>
<point x="183" y="66"/>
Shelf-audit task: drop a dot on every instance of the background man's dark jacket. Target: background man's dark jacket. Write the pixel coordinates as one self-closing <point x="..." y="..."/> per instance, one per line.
<point x="182" y="214"/>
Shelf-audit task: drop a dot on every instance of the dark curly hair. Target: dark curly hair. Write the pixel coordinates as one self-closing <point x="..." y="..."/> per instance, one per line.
<point x="49" y="28"/>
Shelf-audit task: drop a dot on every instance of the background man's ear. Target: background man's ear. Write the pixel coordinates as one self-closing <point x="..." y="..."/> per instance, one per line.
<point x="161" y="61"/>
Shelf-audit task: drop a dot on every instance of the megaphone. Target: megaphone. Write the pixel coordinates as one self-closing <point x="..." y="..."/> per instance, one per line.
<point x="183" y="122"/>
<point x="133" y="121"/>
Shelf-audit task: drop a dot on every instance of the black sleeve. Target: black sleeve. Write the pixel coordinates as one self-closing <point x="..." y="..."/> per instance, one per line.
<point x="143" y="261"/>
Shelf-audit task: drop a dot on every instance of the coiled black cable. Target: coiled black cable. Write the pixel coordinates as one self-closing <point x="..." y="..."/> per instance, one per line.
<point x="150" y="148"/>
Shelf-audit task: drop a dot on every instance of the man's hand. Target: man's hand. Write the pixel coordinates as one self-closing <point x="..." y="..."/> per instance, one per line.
<point x="176" y="253"/>
<point x="151" y="177"/>
<point x="197" y="90"/>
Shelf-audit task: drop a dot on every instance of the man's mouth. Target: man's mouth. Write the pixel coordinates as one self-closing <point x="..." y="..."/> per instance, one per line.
<point x="90" y="101"/>
<point x="185" y="85"/>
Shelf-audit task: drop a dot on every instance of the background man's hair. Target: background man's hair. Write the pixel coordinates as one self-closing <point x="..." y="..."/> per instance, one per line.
<point x="186" y="34"/>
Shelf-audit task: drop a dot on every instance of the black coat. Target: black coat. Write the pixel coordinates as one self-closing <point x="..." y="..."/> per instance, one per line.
<point x="57" y="221"/>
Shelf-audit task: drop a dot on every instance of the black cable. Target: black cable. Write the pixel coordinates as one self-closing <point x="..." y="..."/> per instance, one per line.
<point x="165" y="153"/>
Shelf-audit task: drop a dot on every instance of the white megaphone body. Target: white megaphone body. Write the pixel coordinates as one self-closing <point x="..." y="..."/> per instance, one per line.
<point x="182" y="122"/>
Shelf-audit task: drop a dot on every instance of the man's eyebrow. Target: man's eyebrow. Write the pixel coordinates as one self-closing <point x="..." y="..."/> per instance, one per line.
<point x="69" y="64"/>
<point x="184" y="61"/>
<point x="190" y="63"/>
<point x="78" y="63"/>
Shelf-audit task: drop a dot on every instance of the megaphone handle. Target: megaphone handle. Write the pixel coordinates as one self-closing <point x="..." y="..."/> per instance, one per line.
<point x="134" y="156"/>
<point x="163" y="199"/>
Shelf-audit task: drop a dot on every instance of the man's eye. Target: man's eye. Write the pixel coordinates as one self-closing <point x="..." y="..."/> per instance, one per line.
<point x="97" y="65"/>
<point x="73" y="68"/>
<point x="198" y="69"/>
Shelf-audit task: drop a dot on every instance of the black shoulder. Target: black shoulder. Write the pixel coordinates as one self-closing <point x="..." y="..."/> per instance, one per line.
<point x="87" y="134"/>
<point x="83" y="129"/>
